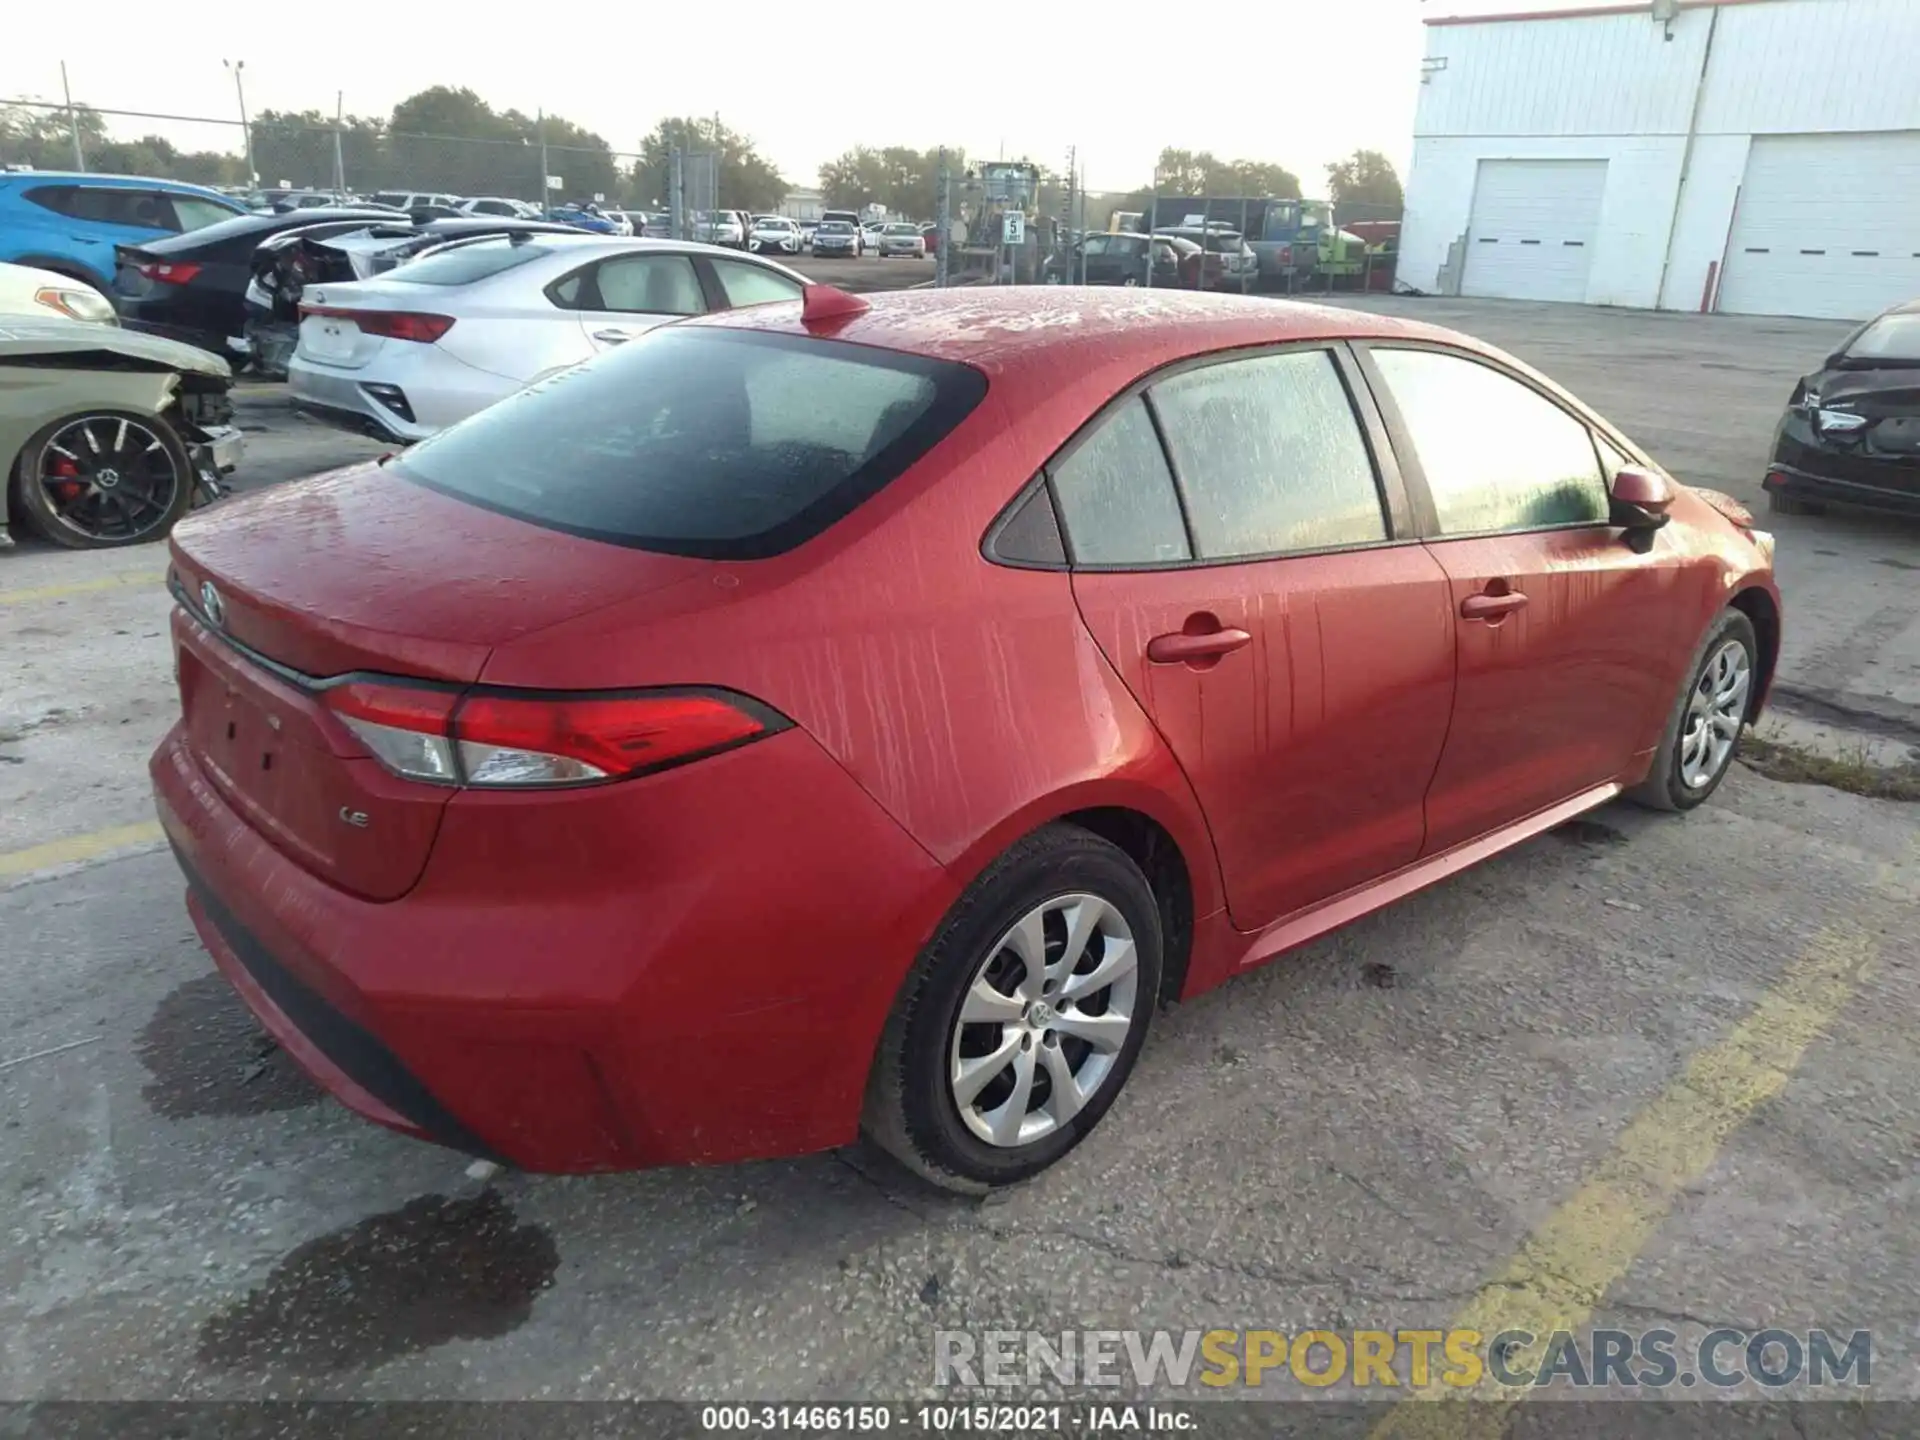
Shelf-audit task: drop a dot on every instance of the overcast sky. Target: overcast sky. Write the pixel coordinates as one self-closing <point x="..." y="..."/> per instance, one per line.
<point x="1301" y="82"/>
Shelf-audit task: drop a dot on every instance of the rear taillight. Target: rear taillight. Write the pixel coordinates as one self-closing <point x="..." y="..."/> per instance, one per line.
<point x="408" y="729"/>
<point x="168" y="272"/>
<point x="389" y="324"/>
<point x="498" y="740"/>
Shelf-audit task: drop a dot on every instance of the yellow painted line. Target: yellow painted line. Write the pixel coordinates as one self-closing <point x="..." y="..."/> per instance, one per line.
<point x="76" y="848"/>
<point x="155" y="578"/>
<point x="1564" y="1269"/>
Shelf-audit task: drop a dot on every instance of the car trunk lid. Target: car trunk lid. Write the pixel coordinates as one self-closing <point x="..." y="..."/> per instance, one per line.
<point x="348" y="325"/>
<point x="1889" y="398"/>
<point x="284" y="596"/>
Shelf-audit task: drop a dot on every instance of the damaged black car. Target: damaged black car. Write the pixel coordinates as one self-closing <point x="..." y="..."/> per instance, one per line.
<point x="1851" y="434"/>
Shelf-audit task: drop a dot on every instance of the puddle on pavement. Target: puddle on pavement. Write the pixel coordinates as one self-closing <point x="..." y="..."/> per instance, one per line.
<point x="208" y="1056"/>
<point x="1588" y="832"/>
<point x="432" y="1271"/>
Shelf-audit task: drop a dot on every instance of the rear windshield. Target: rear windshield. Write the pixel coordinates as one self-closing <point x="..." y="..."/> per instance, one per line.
<point x="1891" y="337"/>
<point x="720" y="444"/>
<point x="467" y="263"/>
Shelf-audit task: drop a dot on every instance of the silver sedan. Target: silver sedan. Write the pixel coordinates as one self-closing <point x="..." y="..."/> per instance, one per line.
<point x="902" y="239"/>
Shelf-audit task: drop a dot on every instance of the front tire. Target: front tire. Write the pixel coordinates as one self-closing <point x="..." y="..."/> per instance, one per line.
<point x="1703" y="732"/>
<point x="104" y="478"/>
<point x="1022" y="1019"/>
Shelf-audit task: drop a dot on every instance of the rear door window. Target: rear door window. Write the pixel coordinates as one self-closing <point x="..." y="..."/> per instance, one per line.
<point x="1270" y="457"/>
<point x="1496" y="454"/>
<point x="706" y="442"/>
<point x="1116" y="495"/>
<point x="193" y="213"/>
<point x="107" y="205"/>
<point x="744" y="284"/>
<point x="649" y="285"/>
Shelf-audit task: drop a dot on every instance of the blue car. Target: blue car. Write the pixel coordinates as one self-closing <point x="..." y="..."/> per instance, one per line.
<point x="582" y="219"/>
<point x="69" y="222"/>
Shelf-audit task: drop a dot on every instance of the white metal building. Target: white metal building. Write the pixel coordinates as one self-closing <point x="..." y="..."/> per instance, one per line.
<point x="1757" y="157"/>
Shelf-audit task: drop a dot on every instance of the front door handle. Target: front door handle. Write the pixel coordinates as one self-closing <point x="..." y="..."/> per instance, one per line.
<point x="1491" y="607"/>
<point x="1181" y="647"/>
<point x="613" y="337"/>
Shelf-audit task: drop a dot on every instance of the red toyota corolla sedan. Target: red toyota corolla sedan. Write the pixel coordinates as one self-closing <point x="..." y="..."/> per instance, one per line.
<point x="833" y="714"/>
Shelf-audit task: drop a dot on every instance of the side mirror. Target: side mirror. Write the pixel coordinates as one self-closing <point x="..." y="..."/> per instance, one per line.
<point x="1639" y="500"/>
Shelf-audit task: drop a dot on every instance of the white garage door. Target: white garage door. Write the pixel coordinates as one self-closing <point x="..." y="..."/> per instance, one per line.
<point x="1826" y="225"/>
<point x="1532" y="230"/>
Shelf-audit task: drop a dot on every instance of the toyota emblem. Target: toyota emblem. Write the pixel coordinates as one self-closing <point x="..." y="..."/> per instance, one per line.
<point x="211" y="603"/>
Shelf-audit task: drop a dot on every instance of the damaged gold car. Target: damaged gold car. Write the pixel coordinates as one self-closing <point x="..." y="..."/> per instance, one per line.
<point x="107" y="436"/>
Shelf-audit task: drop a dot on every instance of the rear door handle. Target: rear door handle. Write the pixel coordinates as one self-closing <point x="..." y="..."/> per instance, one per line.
<point x="1180" y="646"/>
<point x="613" y="337"/>
<point x="1491" y="607"/>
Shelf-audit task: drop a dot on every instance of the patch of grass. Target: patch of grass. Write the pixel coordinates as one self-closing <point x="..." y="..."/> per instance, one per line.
<point x="1850" y="770"/>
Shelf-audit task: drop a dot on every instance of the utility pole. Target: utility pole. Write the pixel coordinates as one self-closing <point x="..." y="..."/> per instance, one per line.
<point x="73" y="122"/>
<point x="246" y="129"/>
<point x="1083" y="231"/>
<point x="546" y="190"/>
<point x="1153" y="207"/>
<point x="339" y="158"/>
<point x="943" y="223"/>
<point x="1066" y="208"/>
<point x="676" y="190"/>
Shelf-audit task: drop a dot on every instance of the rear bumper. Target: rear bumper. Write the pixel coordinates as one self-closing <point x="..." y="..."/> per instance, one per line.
<point x="357" y="422"/>
<point x="691" y="967"/>
<point x="183" y="316"/>
<point x="440" y="391"/>
<point x="1806" y="472"/>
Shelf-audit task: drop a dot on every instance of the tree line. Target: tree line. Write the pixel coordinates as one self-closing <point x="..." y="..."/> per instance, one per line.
<point x="447" y="138"/>
<point x="443" y="138"/>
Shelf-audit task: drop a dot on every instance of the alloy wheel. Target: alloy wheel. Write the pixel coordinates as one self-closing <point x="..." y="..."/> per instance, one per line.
<point x="1043" y="1021"/>
<point x="109" y="477"/>
<point x="1716" y="709"/>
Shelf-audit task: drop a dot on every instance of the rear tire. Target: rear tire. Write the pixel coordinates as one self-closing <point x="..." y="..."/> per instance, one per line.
<point x="995" y="1093"/>
<point x="1691" y="763"/>
<point x="1781" y="504"/>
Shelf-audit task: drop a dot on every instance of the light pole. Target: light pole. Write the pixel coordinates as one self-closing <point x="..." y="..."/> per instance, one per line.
<point x="240" y="89"/>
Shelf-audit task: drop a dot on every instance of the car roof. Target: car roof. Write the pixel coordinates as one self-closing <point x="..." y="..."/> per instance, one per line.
<point x="1036" y="329"/>
<point x="114" y="182"/>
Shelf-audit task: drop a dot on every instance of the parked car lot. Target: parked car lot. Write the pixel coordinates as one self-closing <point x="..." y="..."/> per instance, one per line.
<point x="1369" y="1130"/>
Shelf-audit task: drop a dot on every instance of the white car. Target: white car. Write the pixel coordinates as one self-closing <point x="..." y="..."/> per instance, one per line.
<point x="415" y="199"/>
<point x="775" y="235"/>
<point x="499" y="206"/>
<point x="431" y="341"/>
<point x="25" y="290"/>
